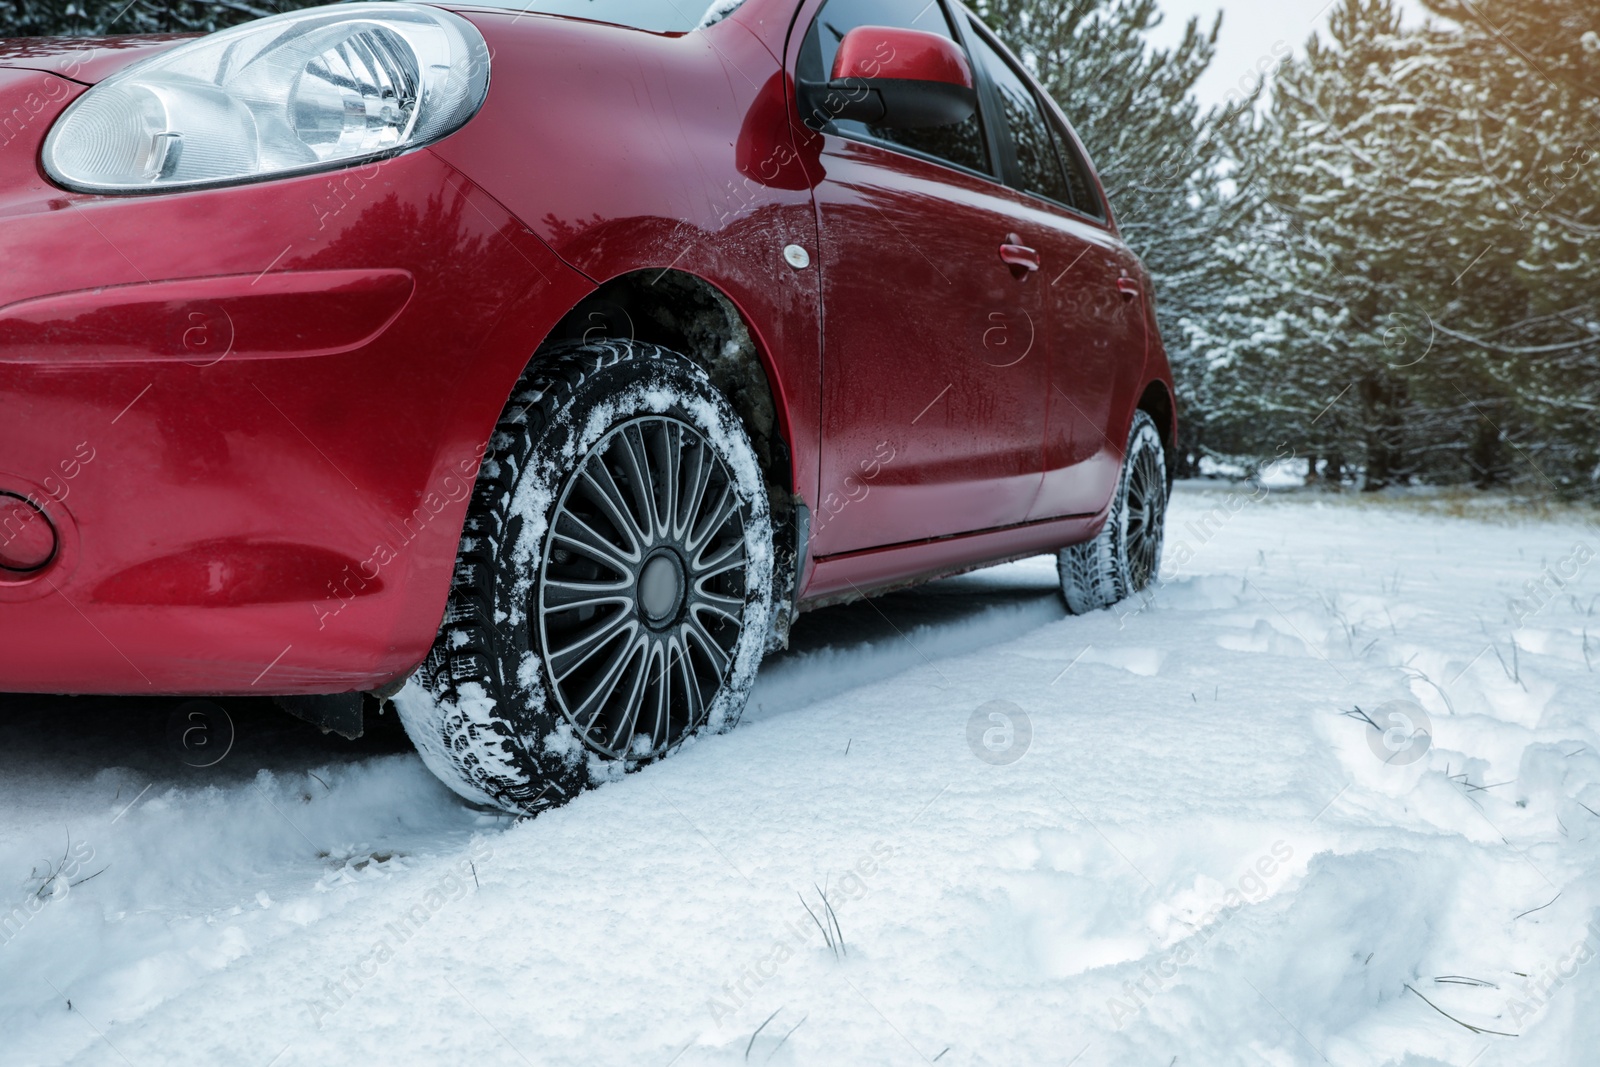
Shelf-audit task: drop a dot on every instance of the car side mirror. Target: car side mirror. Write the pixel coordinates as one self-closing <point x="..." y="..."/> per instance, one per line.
<point x="900" y="79"/>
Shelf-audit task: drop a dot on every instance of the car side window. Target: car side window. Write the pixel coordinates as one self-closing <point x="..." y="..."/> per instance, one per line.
<point x="1047" y="162"/>
<point x="962" y="144"/>
<point x="1084" y="196"/>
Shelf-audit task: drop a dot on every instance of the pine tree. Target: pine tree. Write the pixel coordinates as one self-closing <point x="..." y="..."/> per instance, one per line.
<point x="1342" y="233"/>
<point x="1527" y="144"/>
<point x="1408" y="306"/>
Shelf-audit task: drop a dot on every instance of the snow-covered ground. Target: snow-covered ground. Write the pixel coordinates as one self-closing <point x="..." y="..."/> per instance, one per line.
<point x="1179" y="840"/>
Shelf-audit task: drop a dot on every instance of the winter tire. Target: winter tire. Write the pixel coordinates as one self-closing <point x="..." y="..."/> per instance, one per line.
<point x="612" y="594"/>
<point x="1124" y="558"/>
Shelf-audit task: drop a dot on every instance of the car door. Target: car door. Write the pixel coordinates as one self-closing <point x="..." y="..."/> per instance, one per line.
<point x="1092" y="288"/>
<point x="933" y="403"/>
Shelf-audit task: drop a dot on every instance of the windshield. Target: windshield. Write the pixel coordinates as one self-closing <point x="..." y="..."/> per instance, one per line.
<point x="658" y="16"/>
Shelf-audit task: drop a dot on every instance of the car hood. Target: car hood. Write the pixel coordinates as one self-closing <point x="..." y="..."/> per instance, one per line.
<point x="85" y="59"/>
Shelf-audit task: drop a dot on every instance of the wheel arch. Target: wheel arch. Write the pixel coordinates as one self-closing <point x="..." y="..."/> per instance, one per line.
<point x="1156" y="401"/>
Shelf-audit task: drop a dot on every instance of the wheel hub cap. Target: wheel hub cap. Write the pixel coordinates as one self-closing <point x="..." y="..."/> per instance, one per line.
<point x="660" y="588"/>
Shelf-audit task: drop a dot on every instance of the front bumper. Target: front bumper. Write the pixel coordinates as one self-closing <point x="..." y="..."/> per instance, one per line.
<point x="251" y="416"/>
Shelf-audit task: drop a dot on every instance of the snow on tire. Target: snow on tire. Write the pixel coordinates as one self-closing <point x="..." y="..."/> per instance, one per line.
<point x="1124" y="557"/>
<point x="612" y="594"/>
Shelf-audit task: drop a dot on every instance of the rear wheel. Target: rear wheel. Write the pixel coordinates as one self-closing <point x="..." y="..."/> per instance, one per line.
<point x="1124" y="558"/>
<point x="614" y="585"/>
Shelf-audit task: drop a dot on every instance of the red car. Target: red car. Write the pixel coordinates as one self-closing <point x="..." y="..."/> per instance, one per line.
<point x="535" y="370"/>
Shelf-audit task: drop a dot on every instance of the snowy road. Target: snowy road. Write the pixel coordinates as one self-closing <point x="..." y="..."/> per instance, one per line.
<point x="1193" y="847"/>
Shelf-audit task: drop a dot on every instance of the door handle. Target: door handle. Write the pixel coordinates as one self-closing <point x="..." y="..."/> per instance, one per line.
<point x="1019" y="257"/>
<point x="1129" y="288"/>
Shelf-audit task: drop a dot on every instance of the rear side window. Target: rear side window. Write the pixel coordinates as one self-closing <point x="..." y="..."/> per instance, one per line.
<point x="1047" y="163"/>
<point x="962" y="144"/>
<point x="1084" y="197"/>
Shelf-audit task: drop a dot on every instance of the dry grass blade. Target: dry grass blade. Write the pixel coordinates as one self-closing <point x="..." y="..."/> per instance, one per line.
<point x="826" y="934"/>
<point x="1458" y="1022"/>
<point x="1420" y="675"/>
<point x="1357" y="713"/>
<point x="757" y="1034"/>
<point x="51" y="873"/>
<point x="90" y="878"/>
<point x="785" y="1037"/>
<point x="838" y="938"/>
<point x="1541" y="907"/>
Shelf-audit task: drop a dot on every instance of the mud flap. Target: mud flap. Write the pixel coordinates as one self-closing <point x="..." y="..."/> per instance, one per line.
<point x="339" y="713"/>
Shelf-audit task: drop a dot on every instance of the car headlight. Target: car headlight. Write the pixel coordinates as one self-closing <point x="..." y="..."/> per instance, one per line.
<point x="297" y="92"/>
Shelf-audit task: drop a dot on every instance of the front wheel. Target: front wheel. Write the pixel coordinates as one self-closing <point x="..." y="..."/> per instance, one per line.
<point x="1125" y="556"/>
<point x="614" y="585"/>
